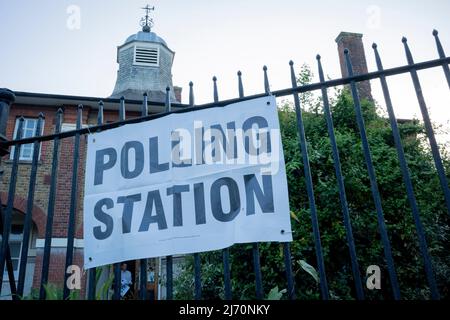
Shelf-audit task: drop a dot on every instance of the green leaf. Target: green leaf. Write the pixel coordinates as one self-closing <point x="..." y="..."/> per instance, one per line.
<point x="310" y="269"/>
<point x="74" y="295"/>
<point x="276" y="294"/>
<point x="98" y="274"/>
<point x="52" y="292"/>
<point x="103" y="292"/>
<point x="294" y="216"/>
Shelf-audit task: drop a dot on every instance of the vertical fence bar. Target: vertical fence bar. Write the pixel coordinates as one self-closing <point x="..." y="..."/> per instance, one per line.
<point x="168" y="103"/>
<point x="92" y="279"/>
<point x="144" y="111"/>
<point x="341" y="186"/>
<point x="215" y="90"/>
<point x="117" y="281"/>
<point x="257" y="268"/>
<point x="116" y="266"/>
<point x="442" y="56"/>
<point x="266" y="81"/>
<point x="51" y="208"/>
<point x="9" y="265"/>
<point x="255" y="246"/>
<point x="286" y="249"/>
<point x="216" y="93"/>
<point x="169" y="280"/>
<point x="7" y="219"/>
<point x="169" y="259"/>
<point x="240" y="85"/>
<point x="428" y="126"/>
<point x="122" y="111"/>
<point x="143" y="262"/>
<point x="373" y="182"/>
<point x="225" y="252"/>
<point x="289" y="273"/>
<point x="93" y="271"/>
<point x="197" y="277"/>
<point x="191" y="94"/>
<point x="7" y="97"/>
<point x="197" y="260"/>
<point x="143" y="279"/>
<point x="29" y="211"/>
<point x="259" y="290"/>
<point x="73" y="203"/>
<point x="226" y="274"/>
<point x="407" y="180"/>
<point x="310" y="189"/>
<point x="100" y="115"/>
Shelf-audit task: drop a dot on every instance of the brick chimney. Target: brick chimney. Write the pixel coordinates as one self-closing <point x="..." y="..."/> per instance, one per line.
<point x="353" y="42"/>
<point x="177" y="92"/>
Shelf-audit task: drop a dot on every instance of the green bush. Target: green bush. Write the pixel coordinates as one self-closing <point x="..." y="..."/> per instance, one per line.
<point x="401" y="228"/>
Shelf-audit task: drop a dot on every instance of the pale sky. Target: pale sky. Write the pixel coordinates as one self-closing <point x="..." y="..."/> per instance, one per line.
<point x="41" y="53"/>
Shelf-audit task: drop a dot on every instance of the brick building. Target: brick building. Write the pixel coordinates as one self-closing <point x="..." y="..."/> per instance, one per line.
<point x="145" y="63"/>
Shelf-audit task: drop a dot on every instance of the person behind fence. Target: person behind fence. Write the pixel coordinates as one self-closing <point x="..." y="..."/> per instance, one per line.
<point x="126" y="281"/>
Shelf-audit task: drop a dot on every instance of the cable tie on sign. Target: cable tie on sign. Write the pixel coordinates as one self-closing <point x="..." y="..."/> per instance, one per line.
<point x="89" y="133"/>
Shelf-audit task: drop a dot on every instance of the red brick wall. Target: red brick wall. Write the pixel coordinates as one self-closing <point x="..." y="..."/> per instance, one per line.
<point x="64" y="184"/>
<point x="57" y="265"/>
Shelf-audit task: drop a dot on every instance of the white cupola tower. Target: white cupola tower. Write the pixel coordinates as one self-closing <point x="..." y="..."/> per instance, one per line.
<point x="145" y="65"/>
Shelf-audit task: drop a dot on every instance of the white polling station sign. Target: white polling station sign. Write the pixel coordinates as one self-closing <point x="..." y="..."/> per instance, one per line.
<point x="187" y="182"/>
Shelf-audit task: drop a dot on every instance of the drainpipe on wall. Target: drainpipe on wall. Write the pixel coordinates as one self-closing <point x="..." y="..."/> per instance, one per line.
<point x="7" y="97"/>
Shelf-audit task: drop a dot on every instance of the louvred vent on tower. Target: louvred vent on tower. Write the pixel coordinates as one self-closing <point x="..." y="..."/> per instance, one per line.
<point x="146" y="56"/>
<point x="145" y="66"/>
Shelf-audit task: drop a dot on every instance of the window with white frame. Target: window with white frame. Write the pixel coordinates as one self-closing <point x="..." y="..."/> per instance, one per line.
<point x="15" y="245"/>
<point x="16" y="242"/>
<point x="71" y="127"/>
<point x="29" y="130"/>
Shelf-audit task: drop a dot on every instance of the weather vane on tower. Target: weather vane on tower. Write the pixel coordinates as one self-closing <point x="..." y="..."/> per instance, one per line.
<point x="147" y="22"/>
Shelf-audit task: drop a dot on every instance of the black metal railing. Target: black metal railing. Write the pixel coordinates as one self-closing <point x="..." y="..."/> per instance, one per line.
<point x="352" y="80"/>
